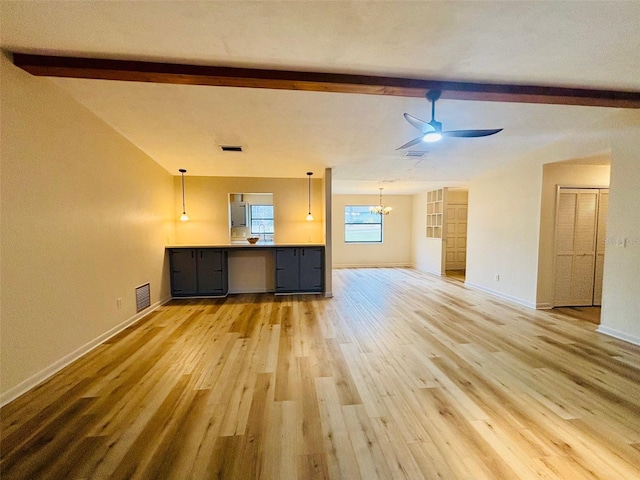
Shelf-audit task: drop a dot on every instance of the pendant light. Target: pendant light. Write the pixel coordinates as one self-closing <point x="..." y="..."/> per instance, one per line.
<point x="309" y="216"/>
<point x="184" y="217"/>
<point x="380" y="209"/>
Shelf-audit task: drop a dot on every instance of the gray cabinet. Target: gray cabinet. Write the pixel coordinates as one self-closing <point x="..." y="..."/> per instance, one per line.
<point x="198" y="272"/>
<point x="299" y="269"/>
<point x="238" y="214"/>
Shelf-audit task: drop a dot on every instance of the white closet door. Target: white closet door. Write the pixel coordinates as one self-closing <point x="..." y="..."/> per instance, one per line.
<point x="456" y="240"/>
<point x="603" y="209"/>
<point x="575" y="246"/>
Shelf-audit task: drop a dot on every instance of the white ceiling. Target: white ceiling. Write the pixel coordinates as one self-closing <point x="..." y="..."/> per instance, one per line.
<point x="287" y="133"/>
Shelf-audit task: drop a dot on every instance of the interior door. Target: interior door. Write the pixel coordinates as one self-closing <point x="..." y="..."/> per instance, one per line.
<point x="456" y="237"/>
<point x="603" y="209"/>
<point x="575" y="246"/>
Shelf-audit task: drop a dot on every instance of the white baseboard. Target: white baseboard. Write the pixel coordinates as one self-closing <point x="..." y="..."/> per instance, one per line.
<point x="377" y="265"/>
<point x="612" y="332"/>
<point x="55" y="367"/>
<point x="502" y="295"/>
<point x="425" y="270"/>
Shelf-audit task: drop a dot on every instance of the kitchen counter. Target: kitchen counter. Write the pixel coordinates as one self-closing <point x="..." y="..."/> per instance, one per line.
<point x="248" y="245"/>
<point x="202" y="270"/>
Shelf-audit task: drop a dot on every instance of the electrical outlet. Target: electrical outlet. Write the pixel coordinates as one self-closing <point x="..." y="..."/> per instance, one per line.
<point x="497" y="277"/>
<point x="119" y="303"/>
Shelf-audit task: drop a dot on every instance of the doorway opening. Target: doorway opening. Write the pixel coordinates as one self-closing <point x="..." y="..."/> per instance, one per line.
<point x="455" y="225"/>
<point x="580" y="227"/>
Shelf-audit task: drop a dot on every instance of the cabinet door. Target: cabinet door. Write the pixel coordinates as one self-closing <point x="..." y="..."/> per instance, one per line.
<point x="210" y="271"/>
<point x="311" y="269"/>
<point x="238" y="214"/>
<point x="183" y="271"/>
<point x="287" y="270"/>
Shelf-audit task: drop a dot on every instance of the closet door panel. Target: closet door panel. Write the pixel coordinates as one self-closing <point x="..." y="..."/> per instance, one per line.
<point x="575" y="246"/>
<point x="603" y="210"/>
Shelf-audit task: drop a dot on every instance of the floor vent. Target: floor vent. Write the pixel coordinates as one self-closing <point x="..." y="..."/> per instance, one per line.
<point x="143" y="297"/>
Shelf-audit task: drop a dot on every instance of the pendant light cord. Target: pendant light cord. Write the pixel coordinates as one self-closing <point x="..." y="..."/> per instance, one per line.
<point x="309" y="216"/>
<point x="309" y="193"/>
<point x="182" y="172"/>
<point x="309" y="190"/>
<point x="183" y="209"/>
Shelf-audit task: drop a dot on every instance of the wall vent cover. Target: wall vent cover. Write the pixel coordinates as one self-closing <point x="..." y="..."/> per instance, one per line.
<point x="230" y="148"/>
<point x="143" y="297"/>
<point x="416" y="153"/>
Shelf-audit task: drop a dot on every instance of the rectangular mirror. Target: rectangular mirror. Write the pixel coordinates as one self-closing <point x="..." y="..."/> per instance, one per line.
<point x="251" y="215"/>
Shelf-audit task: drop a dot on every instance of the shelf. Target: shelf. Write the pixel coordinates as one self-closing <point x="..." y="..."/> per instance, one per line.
<point x="434" y="213"/>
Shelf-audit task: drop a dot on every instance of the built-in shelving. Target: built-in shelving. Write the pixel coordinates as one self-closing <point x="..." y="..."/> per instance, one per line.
<point x="435" y="202"/>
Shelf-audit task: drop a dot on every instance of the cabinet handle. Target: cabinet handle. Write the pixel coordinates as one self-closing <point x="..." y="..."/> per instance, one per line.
<point x="200" y="253"/>
<point x="295" y="252"/>
<point x="303" y="252"/>
<point x="191" y="253"/>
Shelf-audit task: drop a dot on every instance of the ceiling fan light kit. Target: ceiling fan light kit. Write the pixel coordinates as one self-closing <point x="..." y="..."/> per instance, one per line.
<point x="432" y="137"/>
<point x="432" y="131"/>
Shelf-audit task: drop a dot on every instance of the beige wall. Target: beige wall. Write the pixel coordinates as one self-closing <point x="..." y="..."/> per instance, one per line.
<point x="207" y="204"/>
<point x="85" y="217"/>
<point x="504" y="222"/>
<point x="503" y="230"/>
<point x="564" y="175"/>
<point x="426" y="253"/>
<point x="395" y="250"/>
<point x="621" y="285"/>
<point x="504" y="215"/>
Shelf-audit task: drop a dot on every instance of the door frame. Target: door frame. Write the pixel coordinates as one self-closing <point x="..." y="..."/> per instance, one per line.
<point x="559" y="187"/>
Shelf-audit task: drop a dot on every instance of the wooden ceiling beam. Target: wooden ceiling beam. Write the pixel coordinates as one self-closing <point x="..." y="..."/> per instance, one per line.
<point x="140" y="71"/>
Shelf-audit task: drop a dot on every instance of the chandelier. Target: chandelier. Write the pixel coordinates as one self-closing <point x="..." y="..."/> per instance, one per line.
<point x="380" y="209"/>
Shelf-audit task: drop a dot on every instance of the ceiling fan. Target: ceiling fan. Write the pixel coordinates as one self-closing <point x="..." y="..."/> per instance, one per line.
<point x="432" y="131"/>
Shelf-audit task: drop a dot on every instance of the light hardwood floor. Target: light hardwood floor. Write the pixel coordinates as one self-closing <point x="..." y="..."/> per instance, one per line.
<point x="588" y="314"/>
<point x="400" y="375"/>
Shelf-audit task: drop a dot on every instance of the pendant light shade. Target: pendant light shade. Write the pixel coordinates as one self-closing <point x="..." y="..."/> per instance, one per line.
<point x="380" y="209"/>
<point x="184" y="217"/>
<point x="309" y="216"/>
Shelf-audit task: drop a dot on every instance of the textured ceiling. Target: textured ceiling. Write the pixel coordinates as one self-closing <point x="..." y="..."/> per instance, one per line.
<point x="287" y="133"/>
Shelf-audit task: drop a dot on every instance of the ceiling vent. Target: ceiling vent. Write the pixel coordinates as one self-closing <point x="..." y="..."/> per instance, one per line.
<point x="230" y="148"/>
<point x="416" y="153"/>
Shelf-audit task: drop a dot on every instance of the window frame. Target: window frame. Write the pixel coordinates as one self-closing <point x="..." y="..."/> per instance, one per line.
<point x="261" y="218"/>
<point x="380" y="224"/>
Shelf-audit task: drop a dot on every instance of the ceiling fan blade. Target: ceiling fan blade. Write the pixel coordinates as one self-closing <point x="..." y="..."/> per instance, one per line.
<point x="413" y="142"/>
<point x="471" y="133"/>
<point x="421" y="125"/>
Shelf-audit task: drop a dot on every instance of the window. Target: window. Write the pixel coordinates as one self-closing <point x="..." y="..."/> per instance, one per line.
<point x="362" y="226"/>
<point x="262" y="219"/>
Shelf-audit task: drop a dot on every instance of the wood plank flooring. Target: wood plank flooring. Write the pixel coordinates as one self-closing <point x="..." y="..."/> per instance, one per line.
<point x="400" y="376"/>
<point x="588" y="314"/>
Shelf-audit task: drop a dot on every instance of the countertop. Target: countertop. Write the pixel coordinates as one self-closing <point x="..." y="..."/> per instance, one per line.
<point x="247" y="245"/>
